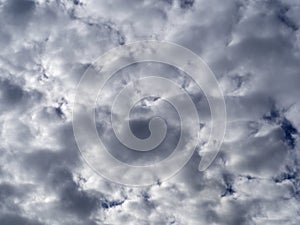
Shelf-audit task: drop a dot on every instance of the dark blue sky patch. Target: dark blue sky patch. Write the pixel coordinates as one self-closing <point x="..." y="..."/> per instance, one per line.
<point x="106" y="204"/>
<point x="186" y="4"/>
<point x="289" y="132"/>
<point x="285" y="19"/>
<point x="276" y="117"/>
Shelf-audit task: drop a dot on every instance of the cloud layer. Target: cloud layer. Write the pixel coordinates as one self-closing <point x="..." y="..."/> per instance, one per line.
<point x="252" y="46"/>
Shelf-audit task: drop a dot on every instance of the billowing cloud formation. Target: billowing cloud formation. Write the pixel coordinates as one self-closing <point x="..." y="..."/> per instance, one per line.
<point x="253" y="48"/>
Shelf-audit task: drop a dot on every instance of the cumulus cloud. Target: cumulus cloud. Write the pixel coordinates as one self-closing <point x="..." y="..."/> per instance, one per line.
<point x="252" y="47"/>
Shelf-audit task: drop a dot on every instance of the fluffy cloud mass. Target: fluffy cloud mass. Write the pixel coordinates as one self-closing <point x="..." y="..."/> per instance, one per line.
<point x="253" y="48"/>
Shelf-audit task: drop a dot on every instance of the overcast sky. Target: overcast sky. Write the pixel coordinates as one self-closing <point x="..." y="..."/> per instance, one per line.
<point x="253" y="48"/>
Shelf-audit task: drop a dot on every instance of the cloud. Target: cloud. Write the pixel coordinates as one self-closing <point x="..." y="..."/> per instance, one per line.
<point x="251" y="46"/>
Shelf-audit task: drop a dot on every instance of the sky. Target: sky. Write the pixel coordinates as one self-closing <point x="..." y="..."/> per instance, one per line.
<point x="251" y="46"/>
